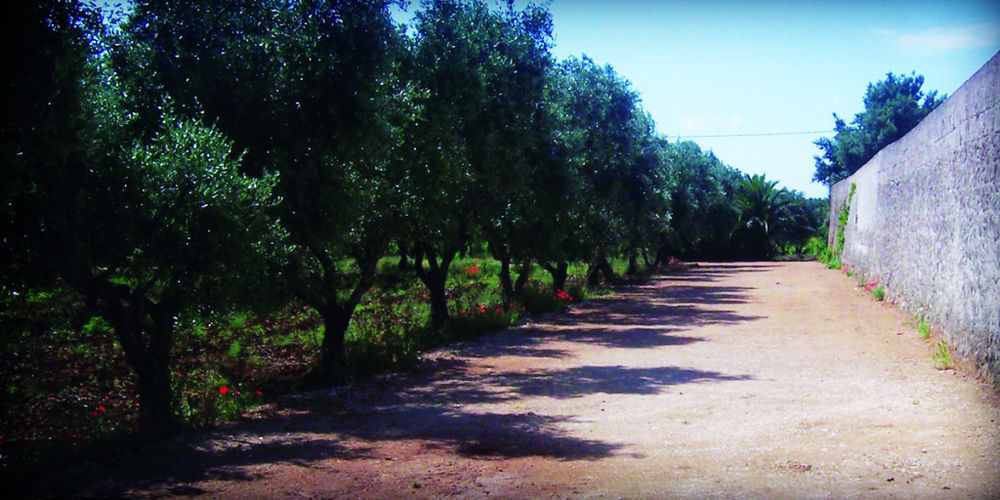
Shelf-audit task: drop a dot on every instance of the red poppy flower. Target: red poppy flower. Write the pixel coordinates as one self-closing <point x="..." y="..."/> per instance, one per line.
<point x="223" y="390"/>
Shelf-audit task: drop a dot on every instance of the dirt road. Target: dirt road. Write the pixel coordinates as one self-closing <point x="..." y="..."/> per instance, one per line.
<point x="762" y="380"/>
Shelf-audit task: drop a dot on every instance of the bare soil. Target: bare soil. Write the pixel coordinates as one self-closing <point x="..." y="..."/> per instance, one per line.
<point x="749" y="380"/>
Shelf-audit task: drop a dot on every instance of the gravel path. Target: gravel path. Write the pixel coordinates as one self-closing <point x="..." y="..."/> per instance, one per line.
<point x="748" y="380"/>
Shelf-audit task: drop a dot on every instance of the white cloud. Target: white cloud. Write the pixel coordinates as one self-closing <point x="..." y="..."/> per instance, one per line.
<point x="946" y="39"/>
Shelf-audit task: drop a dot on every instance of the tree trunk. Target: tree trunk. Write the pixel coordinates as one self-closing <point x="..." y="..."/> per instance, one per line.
<point x="336" y="310"/>
<point x="156" y="396"/>
<point x="598" y="267"/>
<point x="404" y="263"/>
<point x="439" y="302"/>
<point x="434" y="278"/>
<point x="558" y="272"/>
<point x="145" y="331"/>
<point x="336" y="320"/>
<point x="663" y="255"/>
<point x="633" y="264"/>
<point x="500" y="253"/>
<point x="506" y="283"/>
<point x="523" y="273"/>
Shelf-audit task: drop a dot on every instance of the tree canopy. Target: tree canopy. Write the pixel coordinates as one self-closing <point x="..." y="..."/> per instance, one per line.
<point x="893" y="106"/>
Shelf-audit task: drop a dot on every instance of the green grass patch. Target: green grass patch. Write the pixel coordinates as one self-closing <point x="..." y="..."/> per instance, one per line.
<point x="942" y="357"/>
<point x="923" y="329"/>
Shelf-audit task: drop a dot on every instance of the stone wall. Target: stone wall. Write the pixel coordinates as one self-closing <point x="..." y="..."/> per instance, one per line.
<point x="925" y="219"/>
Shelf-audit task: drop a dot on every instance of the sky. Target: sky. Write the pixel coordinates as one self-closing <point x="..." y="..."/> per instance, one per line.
<point x="750" y="67"/>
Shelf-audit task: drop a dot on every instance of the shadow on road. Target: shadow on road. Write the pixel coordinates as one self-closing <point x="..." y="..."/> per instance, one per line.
<point x="703" y="272"/>
<point x="435" y="405"/>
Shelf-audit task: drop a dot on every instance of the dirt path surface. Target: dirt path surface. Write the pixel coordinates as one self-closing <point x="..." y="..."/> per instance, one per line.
<point x="732" y="380"/>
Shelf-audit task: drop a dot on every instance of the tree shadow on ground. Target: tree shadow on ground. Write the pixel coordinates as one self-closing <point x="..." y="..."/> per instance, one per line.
<point x="430" y="407"/>
<point x="702" y="272"/>
<point x="168" y="468"/>
<point x="584" y="380"/>
<point x="651" y="315"/>
<point x="439" y="405"/>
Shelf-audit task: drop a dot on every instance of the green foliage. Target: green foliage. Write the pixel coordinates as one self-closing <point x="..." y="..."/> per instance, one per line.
<point x="96" y="327"/>
<point x="878" y="292"/>
<point x="308" y="90"/>
<point x="772" y="219"/>
<point x="923" y="329"/>
<point x="702" y="208"/>
<point x="815" y="247"/>
<point x="44" y="139"/>
<point x="942" y="358"/>
<point x="614" y="193"/>
<point x="843" y="215"/>
<point x="538" y="298"/>
<point x="472" y="322"/>
<point x="892" y="108"/>
<point x="761" y="208"/>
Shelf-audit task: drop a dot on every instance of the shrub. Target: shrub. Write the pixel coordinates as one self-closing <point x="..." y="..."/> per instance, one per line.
<point x="538" y="298"/>
<point x="206" y="397"/>
<point x="479" y="319"/>
<point x="815" y="247"/>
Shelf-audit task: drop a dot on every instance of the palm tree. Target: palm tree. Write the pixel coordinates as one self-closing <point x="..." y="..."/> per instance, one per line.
<point x="762" y="210"/>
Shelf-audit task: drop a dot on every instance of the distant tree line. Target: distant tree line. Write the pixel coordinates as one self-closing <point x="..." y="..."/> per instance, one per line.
<point x="201" y="155"/>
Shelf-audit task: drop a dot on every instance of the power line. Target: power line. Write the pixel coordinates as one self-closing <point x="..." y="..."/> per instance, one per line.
<point x="762" y="134"/>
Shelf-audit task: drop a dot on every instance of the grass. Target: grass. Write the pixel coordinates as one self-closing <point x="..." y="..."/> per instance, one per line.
<point x="942" y="358"/>
<point x="923" y="329"/>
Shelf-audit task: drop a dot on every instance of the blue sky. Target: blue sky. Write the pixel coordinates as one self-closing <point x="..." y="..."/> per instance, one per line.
<point x="712" y="67"/>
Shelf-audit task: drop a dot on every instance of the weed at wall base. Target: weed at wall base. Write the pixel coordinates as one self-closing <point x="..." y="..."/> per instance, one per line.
<point x="942" y="358"/>
<point x="841" y="238"/>
<point x="923" y="329"/>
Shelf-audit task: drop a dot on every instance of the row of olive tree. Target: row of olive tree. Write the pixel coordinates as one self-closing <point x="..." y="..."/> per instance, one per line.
<point x="201" y="156"/>
<point x="149" y="222"/>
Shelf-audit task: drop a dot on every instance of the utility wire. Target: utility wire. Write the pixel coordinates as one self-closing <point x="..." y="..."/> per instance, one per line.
<point x="763" y="134"/>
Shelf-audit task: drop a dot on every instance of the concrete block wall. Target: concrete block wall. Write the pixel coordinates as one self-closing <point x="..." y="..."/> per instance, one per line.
<point x="925" y="219"/>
